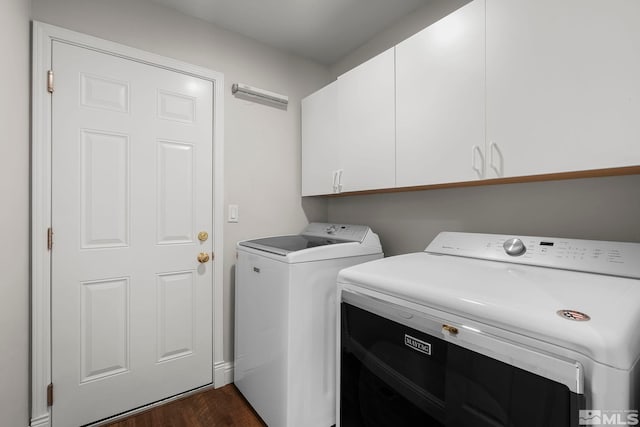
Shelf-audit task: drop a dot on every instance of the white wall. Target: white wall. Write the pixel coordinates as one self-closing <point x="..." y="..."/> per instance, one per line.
<point x="597" y="208"/>
<point x="432" y="11"/>
<point x="593" y="208"/>
<point x="262" y="144"/>
<point x="14" y="213"/>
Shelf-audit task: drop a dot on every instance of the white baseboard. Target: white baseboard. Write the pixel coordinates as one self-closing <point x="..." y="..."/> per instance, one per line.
<point x="222" y="374"/>
<point x="41" y="421"/>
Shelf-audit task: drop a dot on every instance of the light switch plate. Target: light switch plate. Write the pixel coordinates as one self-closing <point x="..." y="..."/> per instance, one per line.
<point x="233" y="213"/>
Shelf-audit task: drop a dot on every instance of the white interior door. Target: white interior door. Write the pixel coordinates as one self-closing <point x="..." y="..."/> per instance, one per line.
<point x="131" y="190"/>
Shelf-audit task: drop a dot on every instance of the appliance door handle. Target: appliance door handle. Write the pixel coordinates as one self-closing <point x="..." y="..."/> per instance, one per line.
<point x="498" y="169"/>
<point x="335" y="184"/>
<point x="340" y="180"/>
<point x="475" y="153"/>
<point x="555" y="368"/>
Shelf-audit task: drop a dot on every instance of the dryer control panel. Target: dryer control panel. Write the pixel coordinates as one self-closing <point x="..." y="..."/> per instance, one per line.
<point x="593" y="256"/>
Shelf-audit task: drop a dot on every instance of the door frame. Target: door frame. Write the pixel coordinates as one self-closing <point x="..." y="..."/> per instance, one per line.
<point x="43" y="37"/>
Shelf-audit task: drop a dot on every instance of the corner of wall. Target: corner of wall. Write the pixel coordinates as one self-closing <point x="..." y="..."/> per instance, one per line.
<point x="394" y="34"/>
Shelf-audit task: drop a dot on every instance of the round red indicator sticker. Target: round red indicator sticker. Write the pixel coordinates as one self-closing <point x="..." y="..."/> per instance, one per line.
<point x="574" y="315"/>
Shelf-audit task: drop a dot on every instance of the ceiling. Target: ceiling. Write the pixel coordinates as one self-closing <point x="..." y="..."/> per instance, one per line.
<point x="321" y="30"/>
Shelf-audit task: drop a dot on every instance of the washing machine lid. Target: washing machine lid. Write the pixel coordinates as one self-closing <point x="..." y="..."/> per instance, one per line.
<point x="591" y="313"/>
<point x="283" y="245"/>
<point x="318" y="241"/>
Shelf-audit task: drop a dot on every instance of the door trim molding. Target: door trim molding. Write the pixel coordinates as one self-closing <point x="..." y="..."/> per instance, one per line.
<point x="43" y="37"/>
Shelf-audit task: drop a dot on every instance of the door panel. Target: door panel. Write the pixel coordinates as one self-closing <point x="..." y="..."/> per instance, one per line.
<point x="131" y="188"/>
<point x="320" y="145"/>
<point x="440" y="99"/>
<point x="562" y="87"/>
<point x="366" y="124"/>
<point x="173" y="106"/>
<point x="102" y="92"/>
<point x="175" y="174"/>
<point x="104" y="328"/>
<point x="104" y="168"/>
<point x="176" y="323"/>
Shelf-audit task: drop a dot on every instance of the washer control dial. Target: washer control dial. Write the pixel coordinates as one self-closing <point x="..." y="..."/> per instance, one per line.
<point x="331" y="229"/>
<point x="514" y="247"/>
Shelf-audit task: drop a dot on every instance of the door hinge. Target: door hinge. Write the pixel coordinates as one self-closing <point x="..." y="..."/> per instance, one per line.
<point x="50" y="395"/>
<point x="50" y="81"/>
<point x="213" y="256"/>
<point x="49" y="238"/>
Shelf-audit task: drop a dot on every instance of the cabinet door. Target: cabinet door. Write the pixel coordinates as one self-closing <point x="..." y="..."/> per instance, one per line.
<point x="366" y="124"/>
<point x="319" y="141"/>
<point x="440" y="100"/>
<point x="563" y="92"/>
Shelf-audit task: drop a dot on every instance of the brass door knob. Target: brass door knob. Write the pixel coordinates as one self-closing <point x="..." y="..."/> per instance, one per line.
<point x="203" y="257"/>
<point x="203" y="236"/>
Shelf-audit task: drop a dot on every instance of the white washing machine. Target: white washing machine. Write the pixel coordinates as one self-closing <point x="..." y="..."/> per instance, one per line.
<point x="285" y="320"/>
<point x="492" y="330"/>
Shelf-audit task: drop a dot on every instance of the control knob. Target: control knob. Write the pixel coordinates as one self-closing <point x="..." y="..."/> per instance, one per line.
<point x="514" y="247"/>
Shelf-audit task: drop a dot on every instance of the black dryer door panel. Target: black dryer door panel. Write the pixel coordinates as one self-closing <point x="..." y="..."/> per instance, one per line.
<point x="393" y="375"/>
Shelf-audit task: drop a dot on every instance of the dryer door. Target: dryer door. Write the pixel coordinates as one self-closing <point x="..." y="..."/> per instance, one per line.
<point x="394" y="371"/>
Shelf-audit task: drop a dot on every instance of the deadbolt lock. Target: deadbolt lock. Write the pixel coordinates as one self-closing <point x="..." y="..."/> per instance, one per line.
<point x="203" y="236"/>
<point x="203" y="257"/>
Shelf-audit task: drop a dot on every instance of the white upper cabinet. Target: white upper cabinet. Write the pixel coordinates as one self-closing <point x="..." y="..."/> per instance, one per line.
<point x="498" y="88"/>
<point x="366" y="125"/>
<point x="563" y="85"/>
<point x="440" y="101"/>
<point x="320" y="146"/>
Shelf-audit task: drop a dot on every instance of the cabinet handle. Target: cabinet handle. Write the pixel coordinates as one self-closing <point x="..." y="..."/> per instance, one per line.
<point x="335" y="184"/>
<point x="493" y="148"/>
<point x="340" y="181"/>
<point x="479" y="170"/>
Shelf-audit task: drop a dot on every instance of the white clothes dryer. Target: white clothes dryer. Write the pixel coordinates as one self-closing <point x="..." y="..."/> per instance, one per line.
<point x="492" y="330"/>
<point x="285" y="320"/>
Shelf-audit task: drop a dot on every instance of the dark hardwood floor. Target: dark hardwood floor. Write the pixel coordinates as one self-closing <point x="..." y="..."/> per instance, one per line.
<point x="211" y="408"/>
